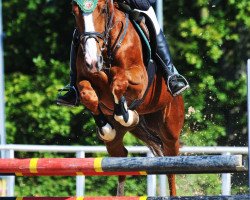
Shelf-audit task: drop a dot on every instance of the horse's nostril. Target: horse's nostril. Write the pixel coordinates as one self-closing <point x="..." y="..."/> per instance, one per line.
<point x="100" y="62"/>
<point x="100" y="59"/>
<point x="90" y="66"/>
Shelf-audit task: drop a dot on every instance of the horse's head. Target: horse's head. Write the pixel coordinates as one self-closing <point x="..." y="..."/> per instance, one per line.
<point x="92" y="21"/>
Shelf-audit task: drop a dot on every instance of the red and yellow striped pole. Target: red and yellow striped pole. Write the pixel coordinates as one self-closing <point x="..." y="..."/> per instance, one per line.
<point x="59" y="167"/>
<point x="74" y="198"/>
<point x="122" y="166"/>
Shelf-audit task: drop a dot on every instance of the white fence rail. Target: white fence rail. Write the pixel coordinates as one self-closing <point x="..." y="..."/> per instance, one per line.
<point x="80" y="151"/>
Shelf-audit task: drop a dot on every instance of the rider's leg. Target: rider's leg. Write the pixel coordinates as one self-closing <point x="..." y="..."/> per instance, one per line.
<point x="70" y="98"/>
<point x="170" y="74"/>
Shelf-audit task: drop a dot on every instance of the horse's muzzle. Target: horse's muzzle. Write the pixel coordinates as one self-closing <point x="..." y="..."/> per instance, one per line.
<point x="95" y="66"/>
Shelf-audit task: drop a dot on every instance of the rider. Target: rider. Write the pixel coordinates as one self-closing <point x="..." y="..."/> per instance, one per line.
<point x="177" y="84"/>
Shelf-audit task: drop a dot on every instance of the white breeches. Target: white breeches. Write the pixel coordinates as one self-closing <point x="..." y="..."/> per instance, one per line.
<point x="151" y="13"/>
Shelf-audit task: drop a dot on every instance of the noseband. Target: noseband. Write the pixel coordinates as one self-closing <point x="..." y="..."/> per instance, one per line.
<point x="105" y="37"/>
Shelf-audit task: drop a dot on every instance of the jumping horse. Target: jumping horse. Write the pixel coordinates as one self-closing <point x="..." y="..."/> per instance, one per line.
<point x="111" y="76"/>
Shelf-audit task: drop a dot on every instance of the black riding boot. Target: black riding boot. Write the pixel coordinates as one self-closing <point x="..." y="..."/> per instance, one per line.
<point x="70" y="98"/>
<point x="175" y="82"/>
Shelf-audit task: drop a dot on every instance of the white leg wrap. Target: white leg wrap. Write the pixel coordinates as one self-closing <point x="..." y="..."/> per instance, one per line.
<point x="107" y="133"/>
<point x="132" y="120"/>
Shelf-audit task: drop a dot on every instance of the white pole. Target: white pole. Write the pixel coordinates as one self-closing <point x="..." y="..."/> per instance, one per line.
<point x="226" y="181"/>
<point x="151" y="182"/>
<point x="163" y="185"/>
<point x="80" y="180"/>
<point x="2" y="115"/>
<point x="10" y="179"/>
<point x="248" y="116"/>
<point x="159" y="12"/>
<point x="151" y="185"/>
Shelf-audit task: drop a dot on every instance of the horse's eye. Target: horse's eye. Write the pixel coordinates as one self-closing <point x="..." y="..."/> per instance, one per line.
<point x="104" y="10"/>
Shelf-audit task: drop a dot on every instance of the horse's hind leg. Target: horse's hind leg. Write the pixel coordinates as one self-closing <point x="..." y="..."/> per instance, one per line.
<point x="116" y="148"/>
<point x="173" y="119"/>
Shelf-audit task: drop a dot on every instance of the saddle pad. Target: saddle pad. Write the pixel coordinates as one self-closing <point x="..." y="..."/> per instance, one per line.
<point x="146" y="46"/>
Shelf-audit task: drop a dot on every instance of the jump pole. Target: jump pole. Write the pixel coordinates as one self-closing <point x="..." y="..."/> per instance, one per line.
<point x="237" y="197"/>
<point x="122" y="166"/>
<point x="2" y="103"/>
<point x="159" y="12"/>
<point x="248" y="118"/>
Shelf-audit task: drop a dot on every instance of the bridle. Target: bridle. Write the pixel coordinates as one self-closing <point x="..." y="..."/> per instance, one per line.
<point x="105" y="37"/>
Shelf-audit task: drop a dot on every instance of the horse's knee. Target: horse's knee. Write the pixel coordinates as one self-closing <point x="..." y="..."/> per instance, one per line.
<point x="75" y="9"/>
<point x="119" y="83"/>
<point x="90" y="100"/>
<point x="118" y="89"/>
<point x="88" y="96"/>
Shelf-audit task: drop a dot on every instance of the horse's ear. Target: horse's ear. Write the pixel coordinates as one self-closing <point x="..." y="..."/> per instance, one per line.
<point x="75" y="9"/>
<point x="86" y="6"/>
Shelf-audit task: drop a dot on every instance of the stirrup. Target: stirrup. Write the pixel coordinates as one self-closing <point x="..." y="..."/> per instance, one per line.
<point x="178" y="79"/>
<point x="68" y="88"/>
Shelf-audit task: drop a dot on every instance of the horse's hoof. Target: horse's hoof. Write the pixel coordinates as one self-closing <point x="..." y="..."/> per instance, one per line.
<point x="133" y="119"/>
<point x="106" y="133"/>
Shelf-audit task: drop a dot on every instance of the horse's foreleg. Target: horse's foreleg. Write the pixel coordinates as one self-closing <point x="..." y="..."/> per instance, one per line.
<point x="119" y="87"/>
<point x="90" y="99"/>
<point x="125" y="116"/>
<point x="116" y="148"/>
<point x="120" y="186"/>
<point x="105" y="129"/>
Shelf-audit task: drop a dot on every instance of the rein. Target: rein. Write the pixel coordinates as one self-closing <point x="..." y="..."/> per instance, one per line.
<point x="105" y="36"/>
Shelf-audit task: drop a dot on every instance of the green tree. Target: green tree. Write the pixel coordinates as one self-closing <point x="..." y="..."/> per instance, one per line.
<point x="210" y="41"/>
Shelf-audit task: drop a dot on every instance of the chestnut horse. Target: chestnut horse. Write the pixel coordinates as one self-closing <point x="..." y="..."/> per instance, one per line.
<point x="111" y="75"/>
